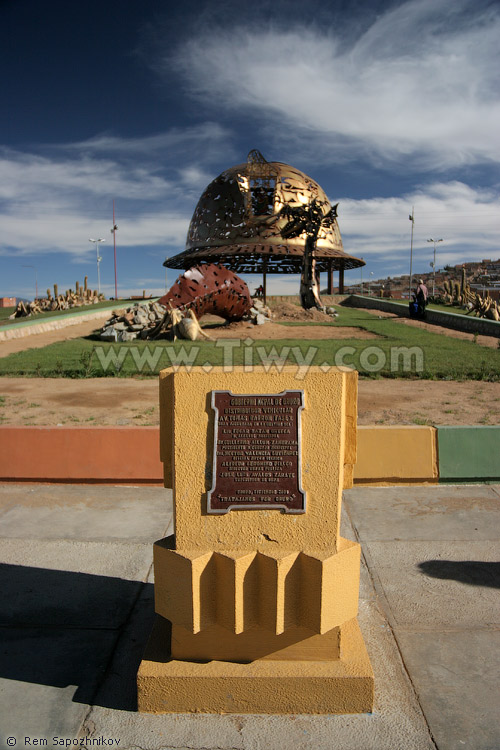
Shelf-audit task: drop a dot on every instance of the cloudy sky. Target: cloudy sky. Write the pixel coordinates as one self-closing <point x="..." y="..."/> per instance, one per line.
<point x="387" y="104"/>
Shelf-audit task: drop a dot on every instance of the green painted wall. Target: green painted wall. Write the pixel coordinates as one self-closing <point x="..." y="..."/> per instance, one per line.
<point x="469" y="453"/>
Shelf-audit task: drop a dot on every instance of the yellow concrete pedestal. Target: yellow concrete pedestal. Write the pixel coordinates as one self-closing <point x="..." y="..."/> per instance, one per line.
<point x="262" y="602"/>
<point x="269" y="686"/>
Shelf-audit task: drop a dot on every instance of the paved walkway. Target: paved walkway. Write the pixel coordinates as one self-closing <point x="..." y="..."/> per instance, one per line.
<point x="77" y="594"/>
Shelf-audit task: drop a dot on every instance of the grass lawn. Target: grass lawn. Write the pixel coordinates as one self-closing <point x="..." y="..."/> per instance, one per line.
<point x="400" y="351"/>
<point x="5" y="312"/>
<point x="121" y="303"/>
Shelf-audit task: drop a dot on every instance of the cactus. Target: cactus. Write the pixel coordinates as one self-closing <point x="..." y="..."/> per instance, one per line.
<point x="85" y="282"/>
<point x="48" y="294"/>
<point x="56" y="292"/>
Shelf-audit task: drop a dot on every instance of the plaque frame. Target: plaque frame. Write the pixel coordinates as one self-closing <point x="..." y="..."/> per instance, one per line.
<point x="257" y="506"/>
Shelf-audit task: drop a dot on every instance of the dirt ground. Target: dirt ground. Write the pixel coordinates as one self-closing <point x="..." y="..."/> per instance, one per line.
<point x="103" y="401"/>
<point x="113" y="401"/>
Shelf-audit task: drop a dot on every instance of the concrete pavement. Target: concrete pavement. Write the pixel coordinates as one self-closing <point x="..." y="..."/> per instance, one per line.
<point x="76" y="578"/>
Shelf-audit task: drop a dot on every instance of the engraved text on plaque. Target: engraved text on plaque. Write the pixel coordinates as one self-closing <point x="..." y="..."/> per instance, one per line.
<point x="257" y="452"/>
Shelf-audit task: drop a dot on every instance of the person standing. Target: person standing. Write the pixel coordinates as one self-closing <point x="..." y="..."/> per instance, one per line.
<point x="421" y="296"/>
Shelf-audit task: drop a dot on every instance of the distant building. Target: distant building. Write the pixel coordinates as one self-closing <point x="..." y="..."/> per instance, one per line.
<point x="7" y="301"/>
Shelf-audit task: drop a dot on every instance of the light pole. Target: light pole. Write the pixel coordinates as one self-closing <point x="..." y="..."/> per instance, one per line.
<point x="361" y="269"/>
<point x="113" y="232"/>
<point x="412" y="219"/>
<point x="433" y="264"/>
<point x="25" y="265"/>
<point x="369" y="284"/>
<point x="98" y="257"/>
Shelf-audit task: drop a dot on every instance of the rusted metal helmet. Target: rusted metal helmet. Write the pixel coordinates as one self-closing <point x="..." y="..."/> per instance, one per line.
<point x="243" y="221"/>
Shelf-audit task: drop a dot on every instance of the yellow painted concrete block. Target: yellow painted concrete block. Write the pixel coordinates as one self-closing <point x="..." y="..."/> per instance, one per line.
<point x="187" y="437"/>
<point x="270" y="686"/>
<point x="217" y="643"/>
<point x="351" y="419"/>
<point x="239" y="590"/>
<point x="262" y="602"/>
<point x="330" y="591"/>
<point x="396" y="455"/>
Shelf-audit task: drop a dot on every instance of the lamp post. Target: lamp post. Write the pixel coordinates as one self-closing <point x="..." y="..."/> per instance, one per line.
<point x="361" y="269"/>
<point x="25" y="265"/>
<point x="433" y="264"/>
<point x="98" y="258"/>
<point x="412" y="219"/>
<point x="369" y="284"/>
<point x="113" y="232"/>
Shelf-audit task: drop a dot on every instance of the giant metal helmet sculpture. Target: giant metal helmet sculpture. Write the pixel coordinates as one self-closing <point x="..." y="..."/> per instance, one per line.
<point x="257" y="217"/>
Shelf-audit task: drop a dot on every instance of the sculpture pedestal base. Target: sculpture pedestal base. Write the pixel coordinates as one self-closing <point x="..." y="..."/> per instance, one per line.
<point x="264" y="686"/>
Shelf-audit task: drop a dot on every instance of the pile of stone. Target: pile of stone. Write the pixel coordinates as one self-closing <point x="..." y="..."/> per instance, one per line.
<point x="259" y="313"/>
<point x="147" y="320"/>
<point x="68" y="300"/>
<point x="137" y="322"/>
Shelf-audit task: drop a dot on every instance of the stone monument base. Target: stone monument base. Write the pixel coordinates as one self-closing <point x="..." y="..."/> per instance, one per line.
<point x="266" y="685"/>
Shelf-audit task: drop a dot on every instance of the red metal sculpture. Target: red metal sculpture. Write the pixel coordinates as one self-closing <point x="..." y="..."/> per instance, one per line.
<point x="210" y="288"/>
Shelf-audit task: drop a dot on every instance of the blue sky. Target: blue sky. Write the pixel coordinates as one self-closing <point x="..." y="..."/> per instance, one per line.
<point x="388" y="105"/>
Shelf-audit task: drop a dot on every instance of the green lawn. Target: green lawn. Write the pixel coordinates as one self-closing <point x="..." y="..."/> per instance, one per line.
<point x="5" y="312"/>
<point x="118" y="304"/>
<point x="399" y="351"/>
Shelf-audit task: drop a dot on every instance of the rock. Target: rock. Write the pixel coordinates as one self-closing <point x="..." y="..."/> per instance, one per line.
<point x="126" y="335"/>
<point x="261" y="319"/>
<point x="109" y="334"/>
<point x="257" y="302"/>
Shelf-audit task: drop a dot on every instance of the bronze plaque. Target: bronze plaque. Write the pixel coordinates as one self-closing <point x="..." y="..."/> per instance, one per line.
<point x="257" y="452"/>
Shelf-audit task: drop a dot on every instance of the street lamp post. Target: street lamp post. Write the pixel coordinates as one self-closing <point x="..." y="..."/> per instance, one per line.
<point x="369" y="284"/>
<point x="25" y="265"/>
<point x="113" y="232"/>
<point x="412" y="219"/>
<point x="433" y="264"/>
<point x="98" y="258"/>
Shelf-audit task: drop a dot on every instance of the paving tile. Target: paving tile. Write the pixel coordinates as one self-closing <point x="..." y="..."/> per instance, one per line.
<point x="456" y="677"/>
<point x="72" y="584"/>
<point x="436" y="584"/>
<point x="417" y="513"/>
<point x="83" y="512"/>
<point x="48" y="676"/>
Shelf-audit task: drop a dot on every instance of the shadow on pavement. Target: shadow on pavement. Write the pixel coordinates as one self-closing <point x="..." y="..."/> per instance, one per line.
<point x="61" y="628"/>
<point x="472" y="572"/>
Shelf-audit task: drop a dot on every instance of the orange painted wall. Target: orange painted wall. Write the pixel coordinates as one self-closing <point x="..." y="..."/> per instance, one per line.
<point x="93" y="454"/>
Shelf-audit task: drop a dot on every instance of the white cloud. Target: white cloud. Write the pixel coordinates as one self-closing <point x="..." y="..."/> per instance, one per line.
<point x="420" y="84"/>
<point x="28" y="178"/>
<point x="467" y="219"/>
<point x="203" y="142"/>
